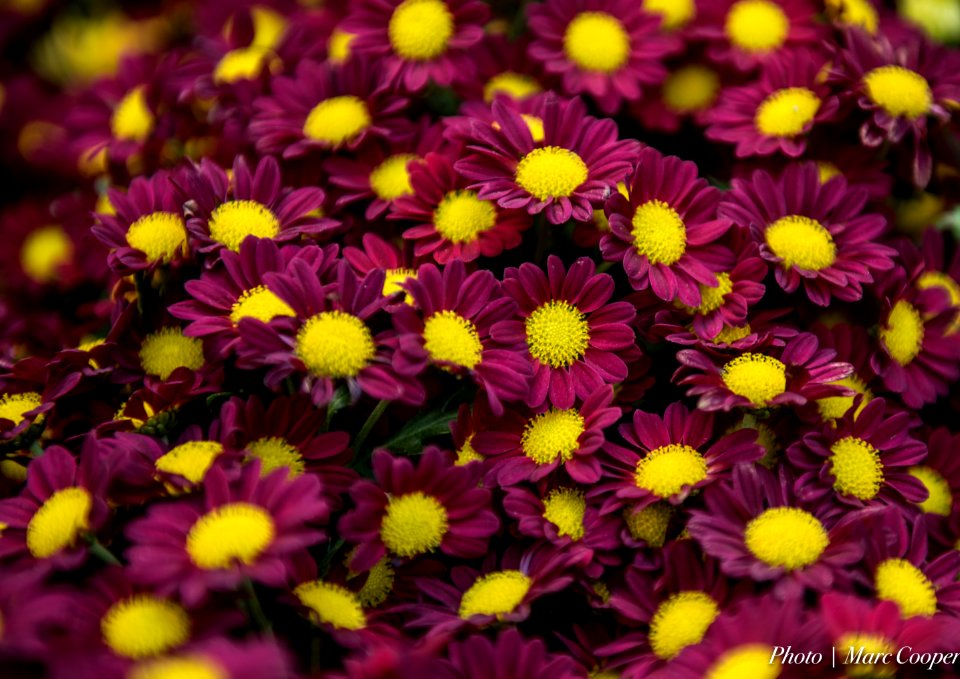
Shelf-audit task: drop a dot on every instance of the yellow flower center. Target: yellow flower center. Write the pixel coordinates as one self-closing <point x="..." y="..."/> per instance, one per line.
<point x="711" y="299"/>
<point x="461" y="216"/>
<point x="756" y="377"/>
<point x="827" y="171"/>
<point x="58" y="522"/>
<point x="940" y="497"/>
<point x="903" y="332"/>
<point x="650" y="523"/>
<point x="731" y="334"/>
<point x="557" y="333"/>
<point x="535" y="125"/>
<point x="786" y="537"/>
<point x="466" y="454"/>
<point x="132" y="119"/>
<point x="335" y="344"/>
<point x="14" y="407"/>
<point x="802" y="242"/>
<point x="856" y="467"/>
<point x="338" y="46"/>
<point x="681" y="621"/>
<point x="551" y="434"/>
<point x="166" y="350"/>
<point x="44" y="251"/>
<point x="274" y="453"/>
<point x="332" y="604"/>
<point x="233" y="221"/>
<point x="517" y="85"/>
<point x="260" y="303"/>
<point x="451" y="338"/>
<point x="659" y="233"/>
<point x="835" y="407"/>
<point x="901" y="582"/>
<point x="565" y="508"/>
<point x="551" y="172"/>
<point x="230" y="533"/>
<point x="854" y="13"/>
<point x="938" y="279"/>
<point x="899" y="91"/>
<point x="191" y="460"/>
<point x="337" y="120"/>
<point x="186" y="667"/>
<point x="664" y="471"/>
<point x="390" y="179"/>
<point x="378" y="585"/>
<point x="690" y="89"/>
<point x="392" y="280"/>
<point x="873" y="645"/>
<point x="419" y="30"/>
<point x="757" y="26"/>
<point x="414" y="523"/>
<point x="496" y="593"/>
<point x="787" y="112"/>
<point x="596" y="41"/>
<point x="674" y="13"/>
<point x="244" y="63"/>
<point x="161" y="236"/>
<point x="142" y="626"/>
<point x="748" y="660"/>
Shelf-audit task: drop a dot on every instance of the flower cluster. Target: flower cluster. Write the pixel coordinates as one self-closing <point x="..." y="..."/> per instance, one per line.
<point x="478" y="340"/>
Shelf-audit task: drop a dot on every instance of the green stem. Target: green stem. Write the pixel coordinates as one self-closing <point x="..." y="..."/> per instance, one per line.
<point x="102" y="553"/>
<point x="255" y="610"/>
<point x="368" y="425"/>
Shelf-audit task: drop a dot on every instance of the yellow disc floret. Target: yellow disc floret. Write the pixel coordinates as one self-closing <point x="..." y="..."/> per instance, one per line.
<point x="901" y="582"/>
<point x="451" y="338"/>
<point x="44" y="251"/>
<point x="557" y="334"/>
<point x="902" y="334"/>
<point x="856" y="467"/>
<point x="391" y="179"/>
<point x="711" y="298"/>
<point x="787" y="112"/>
<point x="132" y="119"/>
<point x="191" y="460"/>
<point x="551" y="172"/>
<point x="596" y="41"/>
<point x="244" y="63"/>
<point x="939" y="494"/>
<point x="748" y="660"/>
<point x="276" y="453"/>
<point x="757" y="26"/>
<point x="232" y="222"/>
<point x="59" y="522"/>
<point x="332" y="604"/>
<point x="335" y="344"/>
<point x="650" y="523"/>
<point x="681" y="621"/>
<point x="786" y="537"/>
<point x="874" y="646"/>
<point x="667" y="470"/>
<point x="161" y="236"/>
<point x="690" y="89"/>
<point x="461" y="217"/>
<point x="260" y="303"/>
<point x="168" y="349"/>
<point x="674" y="13"/>
<point x="801" y="242"/>
<point x="14" y="407"/>
<point x="414" y="523"/>
<point x="659" y="233"/>
<point x="552" y="434"/>
<point x="756" y="377"/>
<point x="835" y="407"/>
<point x="178" y="667"/>
<point x="497" y="593"/>
<point x="516" y="85"/>
<point x="419" y="30"/>
<point x="900" y="92"/>
<point x="143" y="626"/>
<point x="338" y="120"/>
<point x="565" y="509"/>
<point x="230" y="533"/>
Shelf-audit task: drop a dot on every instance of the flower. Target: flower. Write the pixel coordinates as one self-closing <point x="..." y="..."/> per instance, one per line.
<point x="940" y="475"/>
<point x="219" y="658"/>
<point x="509" y="657"/>
<point x="376" y="253"/>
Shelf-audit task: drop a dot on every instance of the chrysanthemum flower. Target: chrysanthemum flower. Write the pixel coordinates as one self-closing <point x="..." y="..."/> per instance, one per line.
<point x="577" y="339"/>
<point x="940" y="475"/>
<point x="848" y="340"/>
<point x="452" y="329"/>
<point x="666" y="232"/>
<point x="861" y="461"/>
<point x="247" y="527"/>
<point x="669" y="458"/>
<point x="862" y="14"/>
<point x="776" y="375"/>
<point x="451" y="221"/>
<point x="378" y="254"/>
<point x="418" y="41"/>
<point x="757" y="528"/>
<point x="529" y="447"/>
<point x="509" y="657"/>
<point x="689" y="93"/>
<point x="938" y="275"/>
<point x="219" y="658"/>
<point x="567" y="174"/>
<point x="608" y="49"/>
<point x="778" y="111"/>
<point x="503" y="70"/>
<point x="410" y="512"/>
<point x="29" y="392"/>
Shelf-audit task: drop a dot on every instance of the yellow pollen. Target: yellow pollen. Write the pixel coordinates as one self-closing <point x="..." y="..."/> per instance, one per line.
<point x="268" y="26"/>
<point x="332" y="605"/>
<point x="757" y="26"/>
<point x="557" y="334"/>
<point x="230" y="533"/>
<point x="659" y="233"/>
<point x="650" y="523"/>
<point x="565" y="508"/>
<point x="901" y="582"/>
<point x="835" y="407"/>
<point x="940" y="496"/>
<point x="161" y="236"/>
<point x="497" y="593"/>
<point x="666" y="470"/>
<point x="391" y="179"/>
<point x="711" y="299"/>
<point x="142" y="626"/>
<point x="787" y="112"/>
<point x="854" y="13"/>
<point x="414" y="524"/>
<point x="184" y="667"/>
<point x="461" y="217"/>
<point x="899" y="91"/>
<point x="244" y="63"/>
<point x="856" y="467"/>
<point x="681" y="621"/>
<point x="392" y="280"/>
<point x="747" y="660"/>
<point x="14" y="407"/>
<point x="675" y="13"/>
<point x="191" y="460"/>
<point x="260" y="303"/>
<point x="690" y="89"/>
<point x="903" y="332"/>
<point x="337" y="120"/>
<point x="232" y="222"/>
<point x="44" y="251"/>
<point x="451" y="338"/>
<point x="596" y="41"/>
<point x="873" y="645"/>
<point x="517" y="85"/>
<point x="274" y="453"/>
<point x="938" y="279"/>
<point x="552" y="434"/>
<point x="802" y="242"/>
<point x="132" y="119"/>
<point x="166" y="350"/>
<point x="551" y="172"/>
<point x="378" y="585"/>
<point x="59" y="521"/>
<point x="338" y="46"/>
<point x="731" y="334"/>
<point x="756" y="377"/>
<point x="466" y="454"/>
<point x="335" y="344"/>
<point x="419" y="30"/>
<point x="786" y="537"/>
<point x="827" y="171"/>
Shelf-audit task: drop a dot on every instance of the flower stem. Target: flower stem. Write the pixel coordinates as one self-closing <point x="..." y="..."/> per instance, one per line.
<point x="255" y="610"/>
<point x="368" y="425"/>
<point x="102" y="553"/>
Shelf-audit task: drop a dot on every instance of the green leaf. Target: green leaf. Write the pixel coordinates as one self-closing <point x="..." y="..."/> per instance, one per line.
<point x="410" y="439"/>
